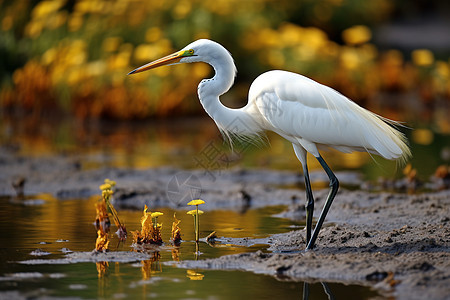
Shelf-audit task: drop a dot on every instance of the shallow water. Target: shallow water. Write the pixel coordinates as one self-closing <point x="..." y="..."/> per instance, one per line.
<point x="55" y="226"/>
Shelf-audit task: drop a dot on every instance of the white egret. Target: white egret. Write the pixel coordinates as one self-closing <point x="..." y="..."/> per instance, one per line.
<point x="308" y="114"/>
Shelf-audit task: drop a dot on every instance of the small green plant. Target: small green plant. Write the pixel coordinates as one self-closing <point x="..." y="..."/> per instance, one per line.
<point x="102" y="220"/>
<point x="107" y="192"/>
<point x="155" y="216"/>
<point x="196" y="213"/>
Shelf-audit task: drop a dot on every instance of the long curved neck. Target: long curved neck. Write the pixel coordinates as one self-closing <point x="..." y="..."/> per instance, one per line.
<point x="235" y="121"/>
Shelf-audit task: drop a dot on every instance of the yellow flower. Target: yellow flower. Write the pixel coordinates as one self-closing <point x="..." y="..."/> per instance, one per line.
<point x="105" y="186"/>
<point x="156" y="214"/>
<point x="422" y="136"/>
<point x="110" y="182"/>
<point x="358" y="34"/>
<point x="422" y="57"/>
<point x="107" y="193"/>
<point x="194" y="211"/>
<point x="196" y="214"/>
<point x="196" y="202"/>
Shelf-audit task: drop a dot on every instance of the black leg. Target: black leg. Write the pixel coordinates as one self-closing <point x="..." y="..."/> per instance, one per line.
<point x="305" y="290"/>
<point x="334" y="186"/>
<point x="309" y="204"/>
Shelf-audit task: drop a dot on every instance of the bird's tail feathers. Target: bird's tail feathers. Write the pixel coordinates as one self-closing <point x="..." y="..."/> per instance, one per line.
<point x="386" y="139"/>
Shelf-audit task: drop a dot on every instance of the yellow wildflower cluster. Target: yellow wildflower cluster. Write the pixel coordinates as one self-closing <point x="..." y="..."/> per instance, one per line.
<point x="102" y="220"/>
<point x="150" y="232"/>
<point x="82" y="51"/>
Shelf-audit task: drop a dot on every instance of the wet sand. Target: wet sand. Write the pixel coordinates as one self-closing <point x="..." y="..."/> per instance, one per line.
<point x="397" y="243"/>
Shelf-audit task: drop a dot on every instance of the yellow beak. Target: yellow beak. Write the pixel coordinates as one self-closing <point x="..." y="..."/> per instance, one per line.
<point x="167" y="60"/>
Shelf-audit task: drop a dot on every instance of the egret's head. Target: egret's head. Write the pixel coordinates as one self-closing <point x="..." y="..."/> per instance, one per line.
<point x="200" y="50"/>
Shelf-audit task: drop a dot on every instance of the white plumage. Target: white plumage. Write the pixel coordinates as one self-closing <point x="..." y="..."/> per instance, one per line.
<point x="305" y="112"/>
<point x="308" y="114"/>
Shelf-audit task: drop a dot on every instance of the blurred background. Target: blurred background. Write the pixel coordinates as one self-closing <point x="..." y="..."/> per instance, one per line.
<point x="66" y="61"/>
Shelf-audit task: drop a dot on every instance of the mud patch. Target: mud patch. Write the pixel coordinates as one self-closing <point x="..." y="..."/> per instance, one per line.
<point x="82" y="257"/>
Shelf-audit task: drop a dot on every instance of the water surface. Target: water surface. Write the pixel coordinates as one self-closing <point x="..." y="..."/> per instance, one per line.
<point x="195" y="143"/>
<point x="55" y="226"/>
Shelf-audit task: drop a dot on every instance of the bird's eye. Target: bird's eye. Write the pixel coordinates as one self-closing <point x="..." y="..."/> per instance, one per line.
<point x="191" y="51"/>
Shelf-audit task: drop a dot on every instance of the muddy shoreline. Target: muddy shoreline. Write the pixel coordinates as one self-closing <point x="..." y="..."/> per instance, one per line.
<point x="375" y="240"/>
<point x="397" y="243"/>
